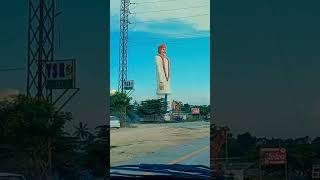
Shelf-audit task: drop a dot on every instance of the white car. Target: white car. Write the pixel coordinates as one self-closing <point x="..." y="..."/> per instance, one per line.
<point x="11" y="176"/>
<point x="114" y="122"/>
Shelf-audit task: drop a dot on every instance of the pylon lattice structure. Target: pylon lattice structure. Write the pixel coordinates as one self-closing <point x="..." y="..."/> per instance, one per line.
<point x="123" y="49"/>
<point x="40" y="46"/>
<point x="41" y="51"/>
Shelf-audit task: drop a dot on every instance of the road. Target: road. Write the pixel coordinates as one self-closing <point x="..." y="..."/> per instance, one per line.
<point x="196" y="152"/>
<point x="182" y="146"/>
<point x="190" y="154"/>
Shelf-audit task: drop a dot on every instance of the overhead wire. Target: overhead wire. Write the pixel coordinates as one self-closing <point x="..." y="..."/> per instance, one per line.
<point x="191" y="7"/>
<point x="12" y="69"/>
<point x="170" y="19"/>
<point x="178" y="34"/>
<point x="169" y="40"/>
<point x="156" y="42"/>
<point x="147" y="2"/>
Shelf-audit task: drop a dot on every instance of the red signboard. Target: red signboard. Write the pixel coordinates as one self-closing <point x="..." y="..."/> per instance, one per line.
<point x="270" y="156"/>
<point x="195" y="110"/>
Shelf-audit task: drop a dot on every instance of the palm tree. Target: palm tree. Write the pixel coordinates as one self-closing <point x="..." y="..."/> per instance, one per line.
<point x="82" y="132"/>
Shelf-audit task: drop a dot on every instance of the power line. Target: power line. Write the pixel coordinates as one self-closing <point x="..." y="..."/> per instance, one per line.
<point x="183" y="33"/>
<point x="192" y="7"/>
<point x="12" y="69"/>
<point x="182" y="36"/>
<point x="146" y="2"/>
<point x="155" y="42"/>
<point x="169" y="19"/>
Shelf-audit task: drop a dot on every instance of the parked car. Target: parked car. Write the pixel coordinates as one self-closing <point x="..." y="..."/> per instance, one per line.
<point x="11" y="176"/>
<point x="114" y="122"/>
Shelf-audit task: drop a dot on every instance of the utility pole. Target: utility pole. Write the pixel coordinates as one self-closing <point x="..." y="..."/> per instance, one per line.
<point x="123" y="51"/>
<point x="226" y="134"/>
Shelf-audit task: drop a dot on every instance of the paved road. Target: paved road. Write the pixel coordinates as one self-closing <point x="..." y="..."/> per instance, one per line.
<point x="193" y="125"/>
<point x="196" y="152"/>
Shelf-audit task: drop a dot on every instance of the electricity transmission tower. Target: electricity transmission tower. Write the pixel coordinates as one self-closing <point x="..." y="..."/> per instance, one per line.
<point x="40" y="46"/>
<point x="123" y="51"/>
<point x="41" y="52"/>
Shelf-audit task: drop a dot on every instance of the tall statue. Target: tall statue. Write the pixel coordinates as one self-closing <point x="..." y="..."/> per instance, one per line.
<point x="163" y="75"/>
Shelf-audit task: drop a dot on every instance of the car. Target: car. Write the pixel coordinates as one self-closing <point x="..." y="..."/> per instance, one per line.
<point x="11" y="176"/>
<point x="160" y="171"/>
<point x="114" y="122"/>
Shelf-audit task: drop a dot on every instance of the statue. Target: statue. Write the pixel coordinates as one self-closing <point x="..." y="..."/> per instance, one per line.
<point x="163" y="75"/>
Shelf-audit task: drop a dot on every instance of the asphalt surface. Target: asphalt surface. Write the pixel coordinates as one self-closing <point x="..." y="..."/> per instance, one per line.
<point x="191" y="154"/>
<point x="192" y="125"/>
<point x="196" y="152"/>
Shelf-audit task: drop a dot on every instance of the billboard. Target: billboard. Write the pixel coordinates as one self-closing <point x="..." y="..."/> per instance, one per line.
<point x="271" y="156"/>
<point x="195" y="110"/>
<point x="60" y="74"/>
<point x="128" y="85"/>
<point x="176" y="106"/>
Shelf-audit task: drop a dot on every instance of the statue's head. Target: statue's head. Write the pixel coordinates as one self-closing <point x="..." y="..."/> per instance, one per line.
<point x="162" y="49"/>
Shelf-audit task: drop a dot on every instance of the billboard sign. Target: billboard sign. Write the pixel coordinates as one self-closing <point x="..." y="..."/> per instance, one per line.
<point x="195" y="110"/>
<point x="128" y="85"/>
<point x="272" y="156"/>
<point x="60" y="74"/>
<point x="176" y="106"/>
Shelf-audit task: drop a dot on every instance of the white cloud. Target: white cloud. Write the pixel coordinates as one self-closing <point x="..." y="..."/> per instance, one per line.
<point x="196" y="19"/>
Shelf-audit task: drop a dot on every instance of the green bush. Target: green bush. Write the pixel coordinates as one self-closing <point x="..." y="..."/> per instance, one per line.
<point x="193" y="118"/>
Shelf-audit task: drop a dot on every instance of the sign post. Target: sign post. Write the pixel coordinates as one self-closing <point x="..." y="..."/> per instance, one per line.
<point x="61" y="76"/>
<point x="260" y="170"/>
<point x="286" y="170"/>
<point x="128" y="85"/>
<point x="195" y="111"/>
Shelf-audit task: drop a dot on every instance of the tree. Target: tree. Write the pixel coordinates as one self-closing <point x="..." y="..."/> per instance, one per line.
<point x="247" y="144"/>
<point x="98" y="152"/>
<point x="82" y="132"/>
<point x="119" y="103"/>
<point x="186" y="108"/>
<point x="204" y="110"/>
<point x="301" y="157"/>
<point x="152" y="107"/>
<point x="31" y="130"/>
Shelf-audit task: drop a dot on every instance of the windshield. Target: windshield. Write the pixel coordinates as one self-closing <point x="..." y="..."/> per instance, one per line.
<point x="113" y="118"/>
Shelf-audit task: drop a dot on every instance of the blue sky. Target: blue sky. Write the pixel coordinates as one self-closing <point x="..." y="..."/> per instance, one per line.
<point x="187" y="37"/>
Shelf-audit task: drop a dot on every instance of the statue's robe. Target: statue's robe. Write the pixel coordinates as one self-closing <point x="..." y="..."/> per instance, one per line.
<point x="163" y="85"/>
